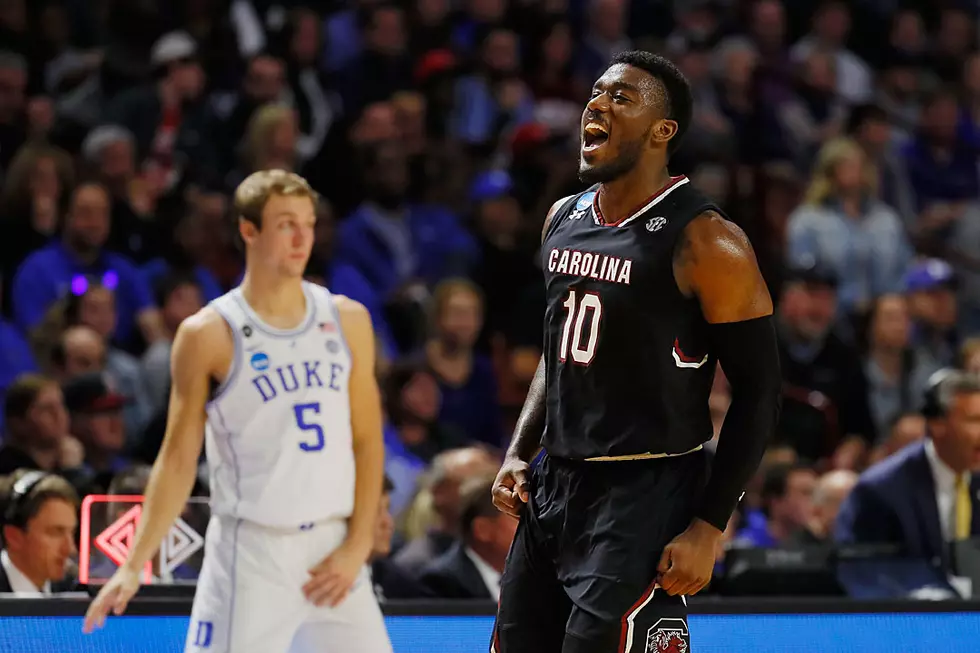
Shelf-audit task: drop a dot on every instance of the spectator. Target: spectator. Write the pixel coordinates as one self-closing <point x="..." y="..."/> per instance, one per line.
<point x="825" y="393"/>
<point x="831" y="24"/>
<point x="828" y="495"/>
<point x="15" y="358"/>
<point x="390" y="582"/>
<point x="930" y="286"/>
<point x="471" y="568"/>
<point x="897" y="378"/>
<point x="905" y="429"/>
<point x="925" y="495"/>
<point x="179" y="297"/>
<point x="845" y="229"/>
<point x="970" y="355"/>
<point x="37" y="434"/>
<point x="38" y="534"/>
<point x="447" y="473"/>
<point x="79" y="259"/>
<point x="96" y="420"/>
<point x="787" y="503"/>
<point x="466" y="378"/>
<point x="384" y="66"/>
<point x="870" y="128"/>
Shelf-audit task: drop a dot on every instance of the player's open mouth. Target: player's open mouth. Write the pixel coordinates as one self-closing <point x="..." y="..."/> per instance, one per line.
<point x="594" y="136"/>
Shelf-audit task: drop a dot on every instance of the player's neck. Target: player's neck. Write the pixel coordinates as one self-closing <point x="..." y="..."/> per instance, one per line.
<point x="622" y="196"/>
<point x="273" y="295"/>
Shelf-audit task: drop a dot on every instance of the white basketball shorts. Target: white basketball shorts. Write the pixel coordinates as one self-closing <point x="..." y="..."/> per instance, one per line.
<point x="250" y="595"/>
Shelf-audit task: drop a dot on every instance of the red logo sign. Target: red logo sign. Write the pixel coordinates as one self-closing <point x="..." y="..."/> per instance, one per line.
<point x="115" y="541"/>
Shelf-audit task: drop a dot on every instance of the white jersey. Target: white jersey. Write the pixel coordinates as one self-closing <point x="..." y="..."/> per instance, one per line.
<point x="278" y="438"/>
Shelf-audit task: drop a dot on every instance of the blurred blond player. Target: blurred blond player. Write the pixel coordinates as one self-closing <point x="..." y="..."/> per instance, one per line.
<point x="279" y="374"/>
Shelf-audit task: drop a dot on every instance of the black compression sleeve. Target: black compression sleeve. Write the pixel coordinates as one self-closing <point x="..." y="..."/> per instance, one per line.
<point x="749" y="357"/>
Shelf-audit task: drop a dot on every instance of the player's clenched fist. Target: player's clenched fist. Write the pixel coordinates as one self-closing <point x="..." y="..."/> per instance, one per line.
<point x="687" y="562"/>
<point x="113" y="597"/>
<point x="510" y="489"/>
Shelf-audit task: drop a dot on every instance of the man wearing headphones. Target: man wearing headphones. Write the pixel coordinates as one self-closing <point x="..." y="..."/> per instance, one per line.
<point x="39" y="521"/>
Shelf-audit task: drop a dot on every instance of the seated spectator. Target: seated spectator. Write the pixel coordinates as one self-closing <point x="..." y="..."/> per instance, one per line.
<point x="825" y="393"/>
<point x="15" y="358"/>
<point x="38" y="534"/>
<point x="466" y="378"/>
<point x="930" y="286"/>
<point x="413" y="404"/>
<point x="787" y="503"/>
<point x="78" y="260"/>
<point x="830" y="492"/>
<point x="96" y="420"/>
<point x="904" y="430"/>
<point x="390" y="581"/>
<point x="471" y="569"/>
<point x="897" y="374"/>
<point x="448" y="472"/>
<point x="37" y="435"/>
<point x="845" y="229"/>
<point x="178" y="297"/>
<point x="925" y="495"/>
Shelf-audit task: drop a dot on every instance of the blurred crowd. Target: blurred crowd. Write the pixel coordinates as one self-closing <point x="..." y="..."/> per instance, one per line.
<point x="842" y="136"/>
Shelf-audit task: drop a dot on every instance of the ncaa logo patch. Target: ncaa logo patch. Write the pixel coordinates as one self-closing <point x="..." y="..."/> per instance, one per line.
<point x="656" y="224"/>
<point x="668" y="636"/>
<point x="259" y="361"/>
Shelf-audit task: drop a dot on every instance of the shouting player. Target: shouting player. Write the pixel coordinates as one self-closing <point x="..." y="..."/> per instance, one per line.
<point x="278" y="375"/>
<point x="648" y="286"/>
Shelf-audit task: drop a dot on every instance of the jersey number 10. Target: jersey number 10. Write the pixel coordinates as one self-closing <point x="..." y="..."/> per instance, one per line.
<point x="578" y="310"/>
<point x="305" y="424"/>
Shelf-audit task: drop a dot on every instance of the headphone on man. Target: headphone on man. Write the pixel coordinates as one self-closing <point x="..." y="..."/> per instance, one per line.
<point x="15" y="512"/>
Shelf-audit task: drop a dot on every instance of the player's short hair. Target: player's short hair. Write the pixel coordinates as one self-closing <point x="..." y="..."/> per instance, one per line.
<point x="24" y="492"/>
<point x="476" y="500"/>
<point x="254" y="193"/>
<point x="22" y="394"/>
<point x="678" y="100"/>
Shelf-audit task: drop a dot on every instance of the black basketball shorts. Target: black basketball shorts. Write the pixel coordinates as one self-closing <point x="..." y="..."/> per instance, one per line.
<point x="580" y="576"/>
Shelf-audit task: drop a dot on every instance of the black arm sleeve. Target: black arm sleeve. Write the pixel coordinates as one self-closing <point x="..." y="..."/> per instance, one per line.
<point x="749" y="356"/>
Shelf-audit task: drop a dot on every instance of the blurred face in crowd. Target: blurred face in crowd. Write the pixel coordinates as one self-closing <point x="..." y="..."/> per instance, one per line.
<point x="795" y="507"/>
<point x="608" y="18"/>
<point x="891" y="325"/>
<point x="907" y="429"/>
<point x="971" y="362"/>
<point x="819" y="73"/>
<point x="101" y="432"/>
<point x="461" y="318"/>
<point x="739" y="66"/>
<point x="901" y="81"/>
<point x="833" y="23"/>
<point x="500" y="55"/>
<point x="117" y="163"/>
<point x="84" y="351"/>
<point x="421" y="398"/>
<point x="97" y="311"/>
<point x="557" y="46"/>
<point x="830" y="493"/>
<point x="13" y="83"/>
<point x="431" y="12"/>
<point x="768" y="23"/>
<point x="87" y="222"/>
<point x="957" y="30"/>
<point x="187" y="77"/>
<point x="265" y="79"/>
<point x="494" y="536"/>
<point x="305" y="45"/>
<point x="695" y="63"/>
<point x="378" y="123"/>
<point x="957" y="437"/>
<point x="45" y="181"/>
<point x="386" y="34"/>
<point x="935" y="307"/>
<point x="809" y="309"/>
<point x="285" y="239"/>
<point x="184" y="301"/>
<point x="43" y="547"/>
<point x="281" y="150"/>
<point x="46" y="422"/>
<point x="389" y="176"/>
<point x="487" y="12"/>
<point x="500" y="217"/>
<point x="939" y="119"/>
<point x="874" y="135"/>
<point x="849" y="173"/>
<point x="205" y="226"/>
<point x="384" y="528"/>
<point x="907" y="31"/>
<point x="460" y="465"/>
<point x="617" y="123"/>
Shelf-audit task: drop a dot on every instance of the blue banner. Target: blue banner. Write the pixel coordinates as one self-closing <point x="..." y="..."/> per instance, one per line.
<point x="771" y="633"/>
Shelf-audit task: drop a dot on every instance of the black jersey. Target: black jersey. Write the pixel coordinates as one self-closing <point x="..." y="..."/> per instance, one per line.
<point x="626" y="354"/>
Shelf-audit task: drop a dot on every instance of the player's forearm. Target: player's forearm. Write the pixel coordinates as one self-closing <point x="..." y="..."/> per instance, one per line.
<point x="530" y="425"/>
<point x="369" y="470"/>
<point x="749" y="356"/>
<point x="169" y="486"/>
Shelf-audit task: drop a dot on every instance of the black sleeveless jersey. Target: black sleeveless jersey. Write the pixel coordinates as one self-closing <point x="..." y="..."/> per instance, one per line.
<point x="626" y="354"/>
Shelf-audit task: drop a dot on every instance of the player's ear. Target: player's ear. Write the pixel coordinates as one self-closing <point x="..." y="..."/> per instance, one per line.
<point x="247" y="230"/>
<point x="663" y="131"/>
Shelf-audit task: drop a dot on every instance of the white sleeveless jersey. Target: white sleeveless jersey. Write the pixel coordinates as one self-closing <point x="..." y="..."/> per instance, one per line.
<point x="278" y="438"/>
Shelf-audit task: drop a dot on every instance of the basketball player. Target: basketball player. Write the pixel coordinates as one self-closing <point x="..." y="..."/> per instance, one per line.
<point x="278" y="375"/>
<point x="648" y="286"/>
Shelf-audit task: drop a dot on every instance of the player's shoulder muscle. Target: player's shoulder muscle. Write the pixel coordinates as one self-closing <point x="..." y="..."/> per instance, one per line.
<point x="202" y="342"/>
<point x="355" y="321"/>
<point x="551" y="214"/>
<point x="715" y="262"/>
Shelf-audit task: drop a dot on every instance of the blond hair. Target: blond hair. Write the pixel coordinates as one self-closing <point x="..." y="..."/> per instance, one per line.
<point x="254" y="193"/>
<point x="822" y="182"/>
<point x="261" y="130"/>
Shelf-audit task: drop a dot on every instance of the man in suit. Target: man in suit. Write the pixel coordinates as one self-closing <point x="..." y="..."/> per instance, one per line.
<point x="39" y="521"/>
<point x="925" y="495"/>
<point x="471" y="568"/>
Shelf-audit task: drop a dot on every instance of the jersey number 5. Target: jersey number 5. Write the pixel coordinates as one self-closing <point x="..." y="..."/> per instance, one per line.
<point x="300" y="410"/>
<point x="572" y="331"/>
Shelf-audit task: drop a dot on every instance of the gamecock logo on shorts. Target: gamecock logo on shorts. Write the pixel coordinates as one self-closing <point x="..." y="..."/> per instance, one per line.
<point x="668" y="636"/>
